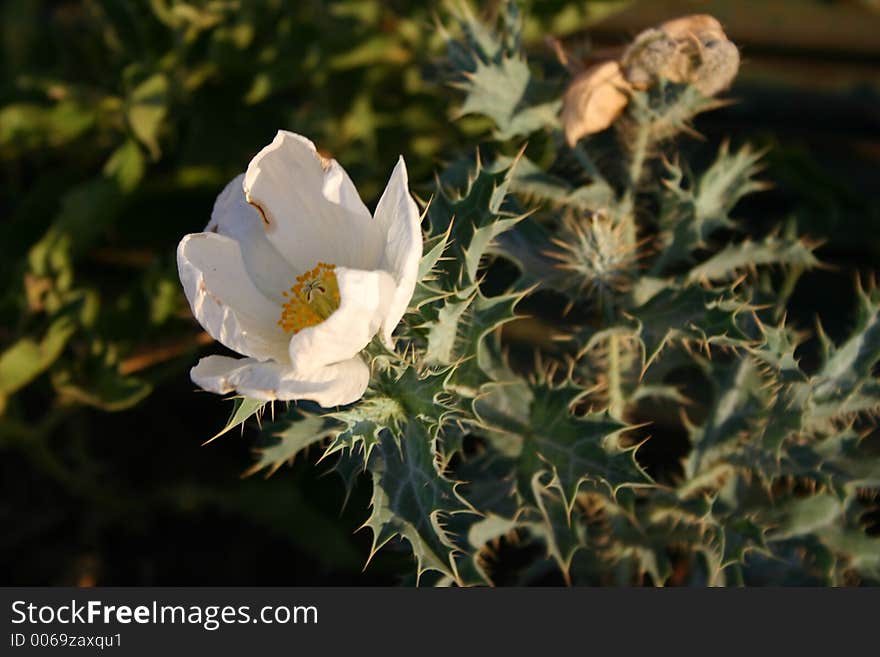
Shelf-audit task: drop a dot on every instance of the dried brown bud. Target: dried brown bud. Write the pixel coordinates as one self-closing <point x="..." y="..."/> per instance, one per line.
<point x="720" y="64"/>
<point x="687" y="50"/>
<point x="682" y="28"/>
<point x="593" y="100"/>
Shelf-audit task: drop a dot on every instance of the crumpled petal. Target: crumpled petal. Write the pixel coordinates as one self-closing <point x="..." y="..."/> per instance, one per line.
<point x="593" y="101"/>
<point x="364" y="297"/>
<point x="224" y="299"/>
<point x="311" y="208"/>
<point x="399" y="218"/>
<point x="335" y="385"/>
<point x="234" y="217"/>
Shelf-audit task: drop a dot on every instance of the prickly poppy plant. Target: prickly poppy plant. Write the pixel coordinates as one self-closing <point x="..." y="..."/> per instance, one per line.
<point x="676" y="315"/>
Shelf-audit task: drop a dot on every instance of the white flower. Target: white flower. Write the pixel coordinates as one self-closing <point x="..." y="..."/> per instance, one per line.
<point x="294" y="273"/>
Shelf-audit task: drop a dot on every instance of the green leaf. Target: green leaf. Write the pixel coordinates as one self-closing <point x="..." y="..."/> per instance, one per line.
<point x="102" y="387"/>
<point x="147" y="109"/>
<point x="802" y="516"/>
<point x="492" y="71"/>
<point x="242" y="409"/>
<point x="859" y="550"/>
<point x="580" y="449"/>
<point x="472" y="217"/>
<point x="691" y="212"/>
<point x="573" y="449"/>
<point x="842" y="462"/>
<point x="535" y="184"/>
<point x="851" y="364"/>
<point x="735" y="258"/>
<point x="562" y="533"/>
<point x="731" y="416"/>
<point x="86" y="211"/>
<point x="693" y="315"/>
<point x="28" y="127"/>
<point x="286" y="443"/>
<point x="477" y="351"/>
<point x="443" y="331"/>
<point x="26" y="359"/>
<point x="362" y="424"/>
<point x="411" y="499"/>
<point x="730" y="177"/>
<point x="646" y="533"/>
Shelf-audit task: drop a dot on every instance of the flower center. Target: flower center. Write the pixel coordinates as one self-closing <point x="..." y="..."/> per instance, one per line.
<point x="311" y="300"/>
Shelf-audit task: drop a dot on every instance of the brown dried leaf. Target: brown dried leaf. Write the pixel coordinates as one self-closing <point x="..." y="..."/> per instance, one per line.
<point x="594" y="100"/>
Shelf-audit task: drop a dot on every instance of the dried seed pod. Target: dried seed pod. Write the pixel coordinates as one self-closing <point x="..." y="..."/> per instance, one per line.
<point x="720" y="64"/>
<point x="698" y="25"/>
<point x="688" y="50"/>
<point x="653" y="54"/>
<point x="593" y="100"/>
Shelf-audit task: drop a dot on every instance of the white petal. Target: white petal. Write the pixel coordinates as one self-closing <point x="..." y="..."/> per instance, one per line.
<point x="312" y="210"/>
<point x="233" y="217"/>
<point x="363" y="304"/>
<point x="341" y="383"/>
<point x="399" y="218"/>
<point x="224" y="299"/>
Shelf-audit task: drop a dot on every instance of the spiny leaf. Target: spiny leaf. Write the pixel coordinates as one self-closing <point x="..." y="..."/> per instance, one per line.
<point x="704" y="317"/>
<point x="777" y="350"/>
<point x="491" y="69"/>
<point x="476" y="366"/>
<point x="574" y="449"/>
<point x="242" y="409"/>
<point x="499" y="90"/>
<point x="839" y="462"/>
<point x="474" y="217"/>
<point x="646" y="532"/>
<point x="800" y="516"/>
<point x="849" y="365"/>
<point x="731" y="415"/>
<point x="443" y="331"/>
<point x="419" y="394"/>
<point x="411" y="498"/>
<point x="692" y="211"/>
<point x="535" y="184"/>
<point x="667" y="109"/>
<point x="563" y="533"/>
<point x="361" y="424"/>
<point x="289" y="441"/>
<point x="859" y="550"/>
<point x="735" y="258"/>
<point x="730" y="177"/>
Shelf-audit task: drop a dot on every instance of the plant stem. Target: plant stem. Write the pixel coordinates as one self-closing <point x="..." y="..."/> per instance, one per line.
<point x="639" y="154"/>
<point x="586" y="162"/>
<point x="615" y="393"/>
<point x="791" y="280"/>
<point x="615" y="390"/>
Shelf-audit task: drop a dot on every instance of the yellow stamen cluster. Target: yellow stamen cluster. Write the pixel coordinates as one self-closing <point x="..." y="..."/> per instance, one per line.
<point x="311" y="300"/>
